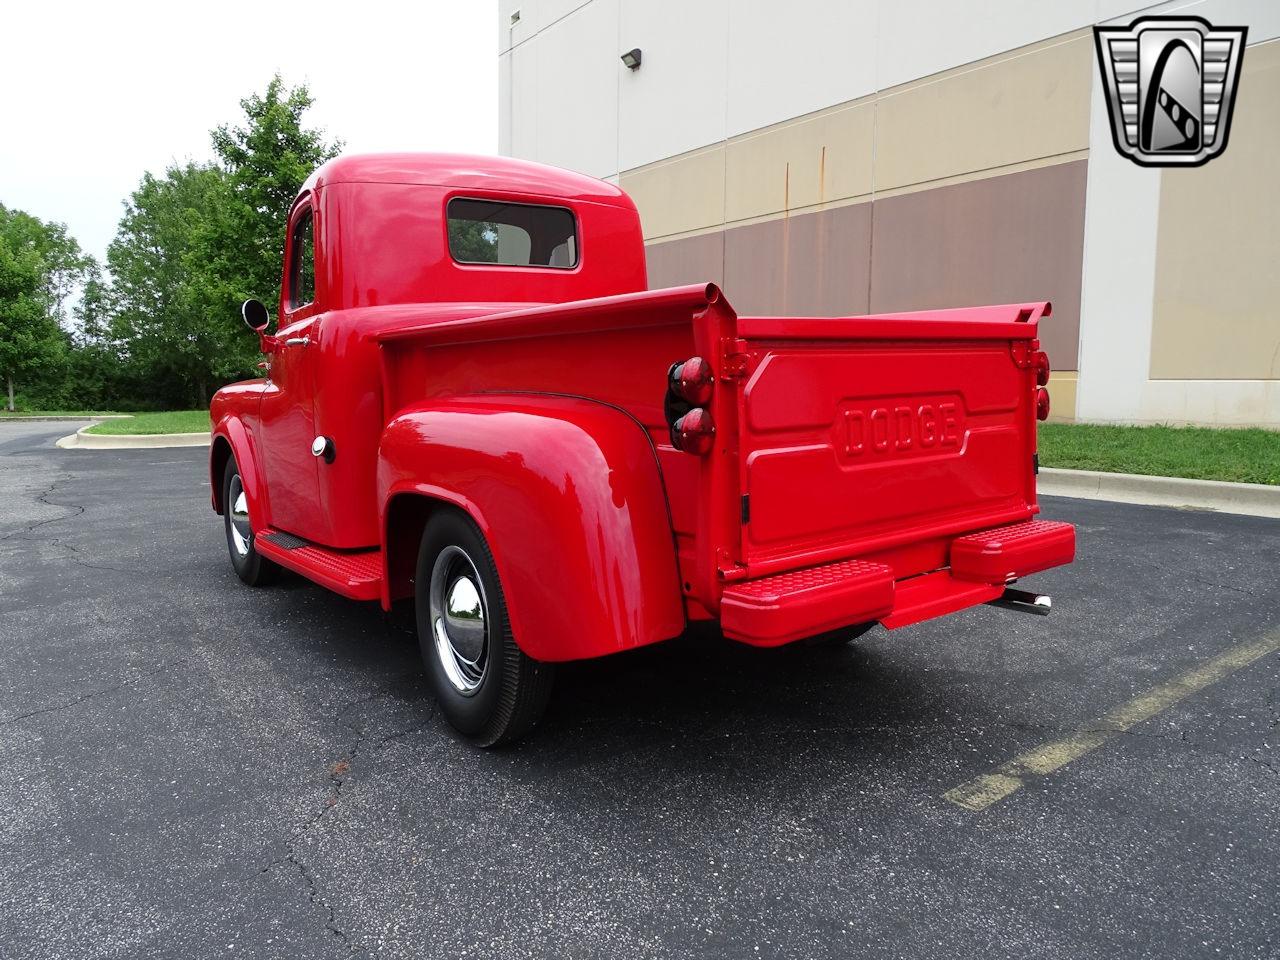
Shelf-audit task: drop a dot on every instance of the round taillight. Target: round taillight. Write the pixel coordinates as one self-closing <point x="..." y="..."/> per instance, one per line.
<point x="692" y="381"/>
<point x="694" y="432"/>
<point x="1042" y="404"/>
<point x="1042" y="368"/>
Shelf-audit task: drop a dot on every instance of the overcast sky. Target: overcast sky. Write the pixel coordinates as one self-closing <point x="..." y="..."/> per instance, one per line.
<point x="94" y="93"/>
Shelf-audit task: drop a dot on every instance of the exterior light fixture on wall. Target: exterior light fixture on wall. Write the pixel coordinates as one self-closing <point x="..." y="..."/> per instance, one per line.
<point x="632" y="59"/>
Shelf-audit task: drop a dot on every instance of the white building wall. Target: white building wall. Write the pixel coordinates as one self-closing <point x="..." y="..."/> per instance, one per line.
<point x="559" y="74"/>
<point x="1122" y="203"/>
<point x="718" y="69"/>
<point x="678" y="98"/>
<point x="721" y="68"/>
<point x="789" y="59"/>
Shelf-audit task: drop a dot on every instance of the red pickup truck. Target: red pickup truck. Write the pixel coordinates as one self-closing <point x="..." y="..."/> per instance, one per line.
<point x="474" y="402"/>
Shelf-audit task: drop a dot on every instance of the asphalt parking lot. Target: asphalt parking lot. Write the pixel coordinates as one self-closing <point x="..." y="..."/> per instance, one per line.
<point x="190" y="768"/>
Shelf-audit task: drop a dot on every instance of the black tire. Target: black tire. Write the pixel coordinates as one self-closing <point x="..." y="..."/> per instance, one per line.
<point x="250" y="566"/>
<point x="499" y="695"/>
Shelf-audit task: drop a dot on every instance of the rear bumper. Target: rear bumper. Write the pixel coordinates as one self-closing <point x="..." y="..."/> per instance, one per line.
<point x="800" y="603"/>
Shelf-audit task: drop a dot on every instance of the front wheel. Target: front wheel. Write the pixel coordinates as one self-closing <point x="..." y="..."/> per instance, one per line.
<point x="250" y="566"/>
<point x="488" y="688"/>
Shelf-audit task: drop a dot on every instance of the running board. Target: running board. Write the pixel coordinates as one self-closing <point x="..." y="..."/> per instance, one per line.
<point x="353" y="573"/>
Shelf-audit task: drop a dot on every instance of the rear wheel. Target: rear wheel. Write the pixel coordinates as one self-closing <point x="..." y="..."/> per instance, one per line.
<point x="488" y="688"/>
<point x="250" y="566"/>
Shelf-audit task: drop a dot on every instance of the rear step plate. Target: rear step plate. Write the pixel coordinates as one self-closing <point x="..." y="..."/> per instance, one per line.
<point x="353" y="573"/>
<point x="801" y="603"/>
<point x="1001" y="554"/>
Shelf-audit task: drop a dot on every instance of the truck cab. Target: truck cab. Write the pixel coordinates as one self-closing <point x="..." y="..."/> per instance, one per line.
<point x="474" y="402"/>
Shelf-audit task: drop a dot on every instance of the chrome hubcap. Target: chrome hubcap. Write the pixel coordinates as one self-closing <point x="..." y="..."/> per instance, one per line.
<point x="459" y="624"/>
<point x="241" y="531"/>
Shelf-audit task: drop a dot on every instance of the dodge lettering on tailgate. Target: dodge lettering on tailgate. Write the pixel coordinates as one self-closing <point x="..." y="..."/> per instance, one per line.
<point x="920" y="425"/>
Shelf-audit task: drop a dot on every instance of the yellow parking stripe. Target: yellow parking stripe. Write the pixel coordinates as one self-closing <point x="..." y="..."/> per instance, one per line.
<point x="981" y="792"/>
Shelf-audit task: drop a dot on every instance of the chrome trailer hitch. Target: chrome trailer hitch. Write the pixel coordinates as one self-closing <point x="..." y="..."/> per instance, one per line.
<point x="1024" y="601"/>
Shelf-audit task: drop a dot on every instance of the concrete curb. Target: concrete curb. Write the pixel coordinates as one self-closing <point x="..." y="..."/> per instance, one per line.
<point x="1248" y="499"/>
<point x="143" y="441"/>
<point x="60" y="417"/>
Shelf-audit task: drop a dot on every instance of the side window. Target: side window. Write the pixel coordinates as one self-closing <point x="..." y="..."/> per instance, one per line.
<point x="302" y="271"/>
<point x="512" y="234"/>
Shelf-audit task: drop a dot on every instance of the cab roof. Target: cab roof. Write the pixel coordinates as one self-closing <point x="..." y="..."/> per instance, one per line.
<point x="467" y="171"/>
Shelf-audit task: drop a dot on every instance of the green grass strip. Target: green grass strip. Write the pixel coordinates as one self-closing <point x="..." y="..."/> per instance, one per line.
<point x="171" y="421"/>
<point x="1199" y="453"/>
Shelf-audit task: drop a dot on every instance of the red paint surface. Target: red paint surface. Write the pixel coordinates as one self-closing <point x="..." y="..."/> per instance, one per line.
<point x="568" y="495"/>
<point x="535" y="400"/>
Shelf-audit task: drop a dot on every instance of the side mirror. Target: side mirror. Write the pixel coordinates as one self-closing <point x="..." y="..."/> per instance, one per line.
<point x="255" y="315"/>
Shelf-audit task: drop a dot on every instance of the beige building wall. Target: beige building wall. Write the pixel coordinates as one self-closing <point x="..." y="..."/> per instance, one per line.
<point x="963" y="188"/>
<point x="1217" y="286"/>
<point x="1014" y="111"/>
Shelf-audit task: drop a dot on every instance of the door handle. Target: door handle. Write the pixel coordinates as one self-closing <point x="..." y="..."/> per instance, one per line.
<point x="297" y="341"/>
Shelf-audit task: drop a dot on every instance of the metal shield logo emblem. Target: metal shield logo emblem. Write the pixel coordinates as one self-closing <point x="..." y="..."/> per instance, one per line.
<point x="1170" y="84"/>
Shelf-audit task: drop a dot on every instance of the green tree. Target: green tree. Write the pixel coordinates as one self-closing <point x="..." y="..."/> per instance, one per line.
<point x="93" y="312"/>
<point x="196" y="242"/>
<point x="159" y="317"/>
<point x="40" y="266"/>
<point x="266" y="159"/>
<point x="473" y="241"/>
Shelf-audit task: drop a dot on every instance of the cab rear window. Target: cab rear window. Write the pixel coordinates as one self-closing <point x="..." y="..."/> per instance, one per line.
<point x="512" y="234"/>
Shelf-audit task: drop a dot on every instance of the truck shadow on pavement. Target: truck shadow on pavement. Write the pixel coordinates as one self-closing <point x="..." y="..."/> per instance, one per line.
<point x="691" y="687"/>
<point x="698" y="710"/>
<point x="700" y="688"/>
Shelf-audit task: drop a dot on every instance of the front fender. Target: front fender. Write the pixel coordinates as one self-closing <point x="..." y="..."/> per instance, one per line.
<point x="232" y="435"/>
<point x="569" y="496"/>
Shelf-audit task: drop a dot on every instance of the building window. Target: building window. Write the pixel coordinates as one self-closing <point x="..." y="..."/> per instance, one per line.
<point x="512" y="234"/>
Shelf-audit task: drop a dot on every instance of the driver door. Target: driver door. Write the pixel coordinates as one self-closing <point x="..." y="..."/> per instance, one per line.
<point x="288" y="412"/>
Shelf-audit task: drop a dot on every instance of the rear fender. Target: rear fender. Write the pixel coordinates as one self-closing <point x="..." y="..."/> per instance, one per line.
<point x="569" y="497"/>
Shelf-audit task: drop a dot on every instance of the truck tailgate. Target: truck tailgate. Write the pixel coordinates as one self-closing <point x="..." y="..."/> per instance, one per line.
<point x="851" y="445"/>
<point x="883" y="440"/>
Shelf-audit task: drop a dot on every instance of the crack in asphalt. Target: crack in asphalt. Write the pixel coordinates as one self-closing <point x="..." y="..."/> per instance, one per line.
<point x="313" y="894"/>
<point x="1223" y="586"/>
<point x="65" y="544"/>
<point x="1194" y="746"/>
<point x="416" y="728"/>
<point x="131" y="681"/>
<point x="314" y="897"/>
<point x="340" y="772"/>
<point x="1263" y="763"/>
<point x="338" y="775"/>
<point x="61" y="543"/>
<point x="42" y="497"/>
<point x="1179" y="573"/>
